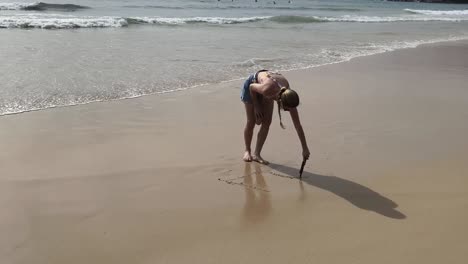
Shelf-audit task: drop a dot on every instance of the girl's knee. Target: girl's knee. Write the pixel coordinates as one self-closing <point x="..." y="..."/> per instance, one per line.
<point x="250" y="124"/>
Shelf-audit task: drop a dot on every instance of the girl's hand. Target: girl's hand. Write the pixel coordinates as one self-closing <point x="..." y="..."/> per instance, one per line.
<point x="305" y="153"/>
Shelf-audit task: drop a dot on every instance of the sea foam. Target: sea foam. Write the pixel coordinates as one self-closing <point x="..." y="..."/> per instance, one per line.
<point x="439" y="12"/>
<point x="379" y="19"/>
<point x="59" y="22"/>
<point x="193" y="20"/>
<point x="15" y="6"/>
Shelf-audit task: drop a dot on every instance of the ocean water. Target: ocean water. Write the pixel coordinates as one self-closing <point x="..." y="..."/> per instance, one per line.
<point x="68" y="52"/>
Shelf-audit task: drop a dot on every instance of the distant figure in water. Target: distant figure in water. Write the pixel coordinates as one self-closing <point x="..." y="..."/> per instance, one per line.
<point x="258" y="94"/>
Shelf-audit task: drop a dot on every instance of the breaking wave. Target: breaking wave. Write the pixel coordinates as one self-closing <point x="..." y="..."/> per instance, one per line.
<point x="286" y="19"/>
<point x="41" y="6"/>
<point x="338" y="9"/>
<point x="193" y="20"/>
<point x="439" y="12"/>
<point x="56" y="21"/>
<point x="60" y="22"/>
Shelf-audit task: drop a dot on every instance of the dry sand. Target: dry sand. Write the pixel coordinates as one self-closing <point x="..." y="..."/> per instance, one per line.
<point x="159" y="179"/>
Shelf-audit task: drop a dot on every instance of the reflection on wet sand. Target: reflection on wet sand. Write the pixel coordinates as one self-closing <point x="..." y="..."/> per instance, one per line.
<point x="257" y="205"/>
<point x="302" y="195"/>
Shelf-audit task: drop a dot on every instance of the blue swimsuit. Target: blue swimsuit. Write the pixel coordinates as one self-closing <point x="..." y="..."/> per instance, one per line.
<point x="245" y="92"/>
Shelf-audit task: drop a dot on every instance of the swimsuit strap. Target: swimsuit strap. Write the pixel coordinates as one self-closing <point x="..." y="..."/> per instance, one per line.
<point x="269" y="75"/>
<point x="256" y="75"/>
<point x="273" y="79"/>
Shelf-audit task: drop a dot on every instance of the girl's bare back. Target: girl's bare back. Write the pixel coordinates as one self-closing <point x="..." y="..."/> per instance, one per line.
<point x="273" y="82"/>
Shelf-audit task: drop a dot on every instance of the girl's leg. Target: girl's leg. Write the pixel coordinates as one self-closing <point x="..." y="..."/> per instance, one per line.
<point x="263" y="133"/>
<point x="248" y="130"/>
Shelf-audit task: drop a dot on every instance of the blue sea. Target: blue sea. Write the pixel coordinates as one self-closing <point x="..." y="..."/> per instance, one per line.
<point x="69" y="52"/>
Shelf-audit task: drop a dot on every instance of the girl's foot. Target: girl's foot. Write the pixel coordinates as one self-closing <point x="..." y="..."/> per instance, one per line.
<point x="260" y="160"/>
<point x="247" y="156"/>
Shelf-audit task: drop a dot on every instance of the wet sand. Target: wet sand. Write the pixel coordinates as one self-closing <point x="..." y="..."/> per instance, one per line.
<point x="160" y="179"/>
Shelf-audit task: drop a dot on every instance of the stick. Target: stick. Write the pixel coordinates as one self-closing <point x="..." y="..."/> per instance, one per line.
<point x="302" y="167"/>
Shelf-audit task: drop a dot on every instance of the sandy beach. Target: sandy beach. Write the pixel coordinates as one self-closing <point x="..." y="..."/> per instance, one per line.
<point x="160" y="179"/>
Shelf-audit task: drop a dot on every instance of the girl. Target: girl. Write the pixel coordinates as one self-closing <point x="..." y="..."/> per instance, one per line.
<point x="258" y="94"/>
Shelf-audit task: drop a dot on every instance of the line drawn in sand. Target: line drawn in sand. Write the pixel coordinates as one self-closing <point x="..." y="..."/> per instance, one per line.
<point x="241" y="180"/>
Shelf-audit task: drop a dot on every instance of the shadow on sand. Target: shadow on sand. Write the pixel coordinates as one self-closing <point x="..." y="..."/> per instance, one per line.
<point x="355" y="193"/>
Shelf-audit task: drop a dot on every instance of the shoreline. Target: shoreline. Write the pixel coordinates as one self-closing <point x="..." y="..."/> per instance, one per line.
<point x="386" y="49"/>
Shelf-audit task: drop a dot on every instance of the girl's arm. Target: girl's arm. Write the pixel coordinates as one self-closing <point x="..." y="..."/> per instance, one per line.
<point x="255" y="89"/>
<point x="300" y="132"/>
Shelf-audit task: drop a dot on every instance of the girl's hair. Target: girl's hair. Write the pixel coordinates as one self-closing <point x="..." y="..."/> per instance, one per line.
<point x="287" y="98"/>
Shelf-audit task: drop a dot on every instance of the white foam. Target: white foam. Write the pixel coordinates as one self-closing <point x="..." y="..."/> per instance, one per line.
<point x="439" y="12"/>
<point x="186" y="20"/>
<point x="15" y="6"/>
<point x="346" y="18"/>
<point x="376" y="19"/>
<point x="59" y="21"/>
<point x="339" y="56"/>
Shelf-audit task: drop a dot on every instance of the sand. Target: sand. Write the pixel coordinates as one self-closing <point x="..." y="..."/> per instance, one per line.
<point x="160" y="179"/>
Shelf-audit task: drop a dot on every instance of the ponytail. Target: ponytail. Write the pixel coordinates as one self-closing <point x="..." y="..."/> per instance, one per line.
<point x="283" y="89"/>
<point x="279" y="113"/>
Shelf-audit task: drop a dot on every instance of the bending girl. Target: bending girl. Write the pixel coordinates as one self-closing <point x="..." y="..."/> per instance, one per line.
<point x="258" y="94"/>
